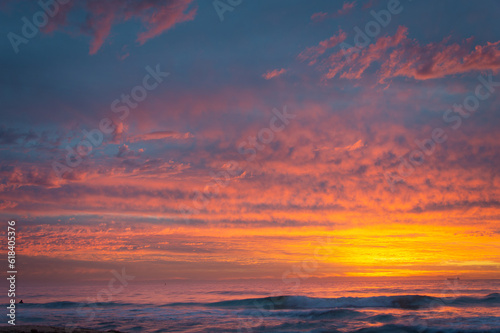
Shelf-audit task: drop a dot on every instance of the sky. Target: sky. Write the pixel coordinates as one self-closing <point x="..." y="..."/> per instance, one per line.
<point x="237" y="139"/>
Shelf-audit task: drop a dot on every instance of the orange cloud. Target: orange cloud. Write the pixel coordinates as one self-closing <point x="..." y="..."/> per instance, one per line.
<point x="159" y="135"/>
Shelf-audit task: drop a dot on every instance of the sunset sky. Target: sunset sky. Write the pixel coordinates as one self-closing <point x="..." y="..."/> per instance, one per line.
<point x="239" y="141"/>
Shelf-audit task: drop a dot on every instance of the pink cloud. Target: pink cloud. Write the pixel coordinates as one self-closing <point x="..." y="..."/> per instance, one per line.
<point x="27" y="176"/>
<point x="60" y="19"/>
<point x="156" y="16"/>
<point x="346" y="9"/>
<point x="274" y="73"/>
<point x="318" y="17"/>
<point x="437" y="60"/>
<point x="6" y="204"/>
<point x="99" y="23"/>
<point x="166" y="18"/>
<point x="312" y="53"/>
<point x="400" y="56"/>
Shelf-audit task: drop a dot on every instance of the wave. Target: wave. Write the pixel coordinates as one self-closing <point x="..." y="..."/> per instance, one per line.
<point x="392" y="328"/>
<point x="305" y="326"/>
<point x="411" y="302"/>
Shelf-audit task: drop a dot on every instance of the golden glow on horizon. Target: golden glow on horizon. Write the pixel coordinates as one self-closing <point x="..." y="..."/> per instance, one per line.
<point x="370" y="250"/>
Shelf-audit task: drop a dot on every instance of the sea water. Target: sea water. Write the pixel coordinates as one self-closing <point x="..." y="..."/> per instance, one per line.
<point x="309" y="305"/>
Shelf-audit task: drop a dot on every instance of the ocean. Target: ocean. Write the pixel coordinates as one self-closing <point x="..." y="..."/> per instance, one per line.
<point x="306" y="305"/>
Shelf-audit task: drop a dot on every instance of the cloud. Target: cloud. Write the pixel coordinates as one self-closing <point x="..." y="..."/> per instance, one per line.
<point x="400" y="56"/>
<point x="347" y="7"/>
<point x="156" y="16"/>
<point x="353" y="68"/>
<point x="166" y="17"/>
<point x="5" y="204"/>
<point x="322" y="173"/>
<point x="101" y="16"/>
<point x="312" y="53"/>
<point x="10" y="136"/>
<point x="274" y="73"/>
<point x="358" y="144"/>
<point x="318" y="17"/>
<point x="437" y="60"/>
<point x="160" y="135"/>
<point x="125" y="151"/>
<point x="13" y="177"/>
